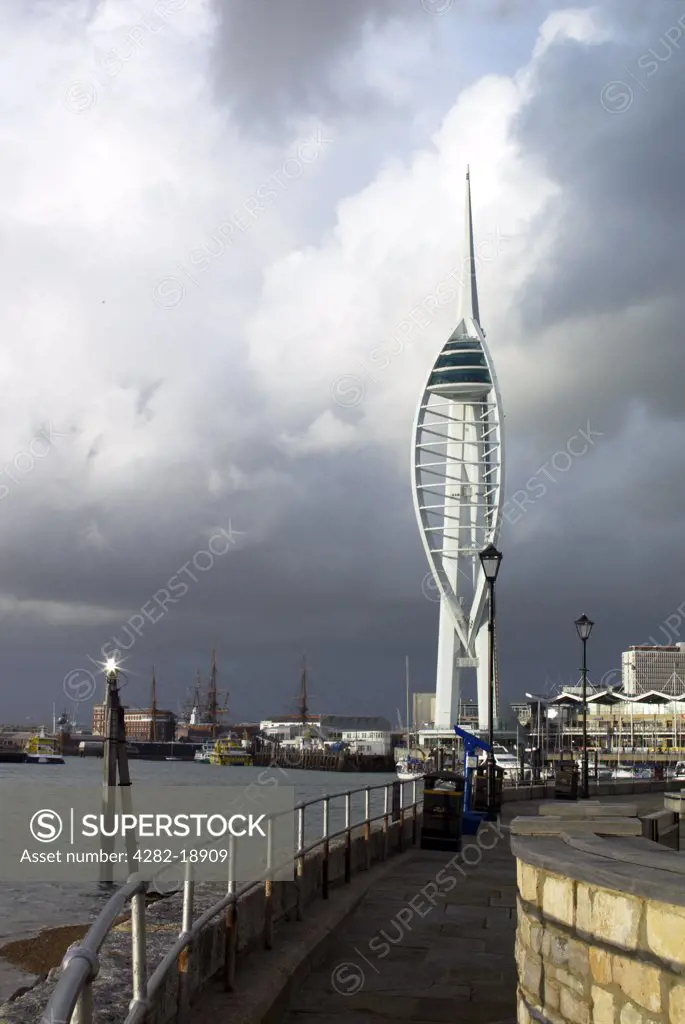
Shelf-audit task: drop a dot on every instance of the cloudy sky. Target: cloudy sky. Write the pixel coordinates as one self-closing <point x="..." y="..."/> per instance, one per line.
<point x="212" y="213"/>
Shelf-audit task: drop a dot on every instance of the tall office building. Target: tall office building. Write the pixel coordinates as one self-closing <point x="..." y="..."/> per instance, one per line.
<point x="648" y="667"/>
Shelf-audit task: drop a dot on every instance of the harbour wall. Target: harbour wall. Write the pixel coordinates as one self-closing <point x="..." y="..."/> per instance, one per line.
<point x="321" y="760"/>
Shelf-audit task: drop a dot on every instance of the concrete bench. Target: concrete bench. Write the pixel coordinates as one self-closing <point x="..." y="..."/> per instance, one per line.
<point x="662" y="827"/>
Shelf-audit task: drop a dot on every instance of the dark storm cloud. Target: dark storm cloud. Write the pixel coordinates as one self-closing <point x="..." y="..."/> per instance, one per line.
<point x="275" y="57"/>
<point x="604" y="125"/>
<point x="602" y="322"/>
<point x="315" y="585"/>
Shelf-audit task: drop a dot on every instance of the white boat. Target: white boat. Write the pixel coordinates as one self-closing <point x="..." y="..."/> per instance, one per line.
<point x="202" y="756"/>
<point x="505" y="760"/>
<point x="409" y="768"/>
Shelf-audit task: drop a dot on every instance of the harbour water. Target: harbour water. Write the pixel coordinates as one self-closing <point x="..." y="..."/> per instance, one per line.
<point x="26" y="910"/>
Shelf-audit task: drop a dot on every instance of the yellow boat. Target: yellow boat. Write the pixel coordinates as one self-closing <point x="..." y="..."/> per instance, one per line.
<point x="43" y="749"/>
<point x="229" y="752"/>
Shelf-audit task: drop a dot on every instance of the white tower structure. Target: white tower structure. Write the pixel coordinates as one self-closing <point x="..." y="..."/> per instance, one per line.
<point x="458" y="489"/>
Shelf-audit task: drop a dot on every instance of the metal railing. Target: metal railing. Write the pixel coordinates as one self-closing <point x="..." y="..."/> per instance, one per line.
<point x="71" y="1001"/>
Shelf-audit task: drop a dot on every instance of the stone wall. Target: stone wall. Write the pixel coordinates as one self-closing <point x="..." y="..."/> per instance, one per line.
<point x="590" y="948"/>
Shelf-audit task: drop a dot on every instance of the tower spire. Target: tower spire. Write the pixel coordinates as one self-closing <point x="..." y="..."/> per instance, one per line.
<point x="469" y="289"/>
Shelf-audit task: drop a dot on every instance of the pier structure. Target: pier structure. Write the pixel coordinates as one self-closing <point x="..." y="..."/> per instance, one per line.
<point x="457" y="466"/>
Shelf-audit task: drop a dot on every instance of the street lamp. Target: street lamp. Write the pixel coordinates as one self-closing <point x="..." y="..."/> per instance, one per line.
<point x="490" y="559"/>
<point x="584" y="627"/>
<point x="536" y="763"/>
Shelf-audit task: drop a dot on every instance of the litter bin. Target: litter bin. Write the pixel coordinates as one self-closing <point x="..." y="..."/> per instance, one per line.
<point x="566" y="782"/>
<point x="480" y="794"/>
<point x="443" y="803"/>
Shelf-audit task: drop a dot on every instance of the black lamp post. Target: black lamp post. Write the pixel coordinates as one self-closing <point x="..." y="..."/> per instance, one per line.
<point x="490" y="559"/>
<point x="584" y="627"/>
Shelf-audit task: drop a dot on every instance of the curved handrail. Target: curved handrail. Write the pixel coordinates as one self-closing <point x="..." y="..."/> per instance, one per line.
<point x="71" y="999"/>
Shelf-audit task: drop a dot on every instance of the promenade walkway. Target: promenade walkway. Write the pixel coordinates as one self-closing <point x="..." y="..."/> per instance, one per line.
<point x="432" y="942"/>
<point x="427" y="938"/>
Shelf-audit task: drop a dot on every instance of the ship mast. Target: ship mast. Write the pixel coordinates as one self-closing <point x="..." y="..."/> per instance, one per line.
<point x="303" y="707"/>
<point x="212" y="697"/>
<point x="406" y="674"/>
<point x="153" y="707"/>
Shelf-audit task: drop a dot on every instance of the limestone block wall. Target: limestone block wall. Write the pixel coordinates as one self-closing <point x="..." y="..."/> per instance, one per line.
<point x="590" y="953"/>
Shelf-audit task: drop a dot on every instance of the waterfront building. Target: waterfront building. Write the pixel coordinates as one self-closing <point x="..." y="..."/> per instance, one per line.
<point x="457" y="487"/>
<point x="364" y="734"/>
<point x="139" y="723"/>
<point x="650" y="667"/>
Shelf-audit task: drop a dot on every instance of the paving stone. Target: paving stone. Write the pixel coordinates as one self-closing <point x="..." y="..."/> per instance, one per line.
<point x="456" y="932"/>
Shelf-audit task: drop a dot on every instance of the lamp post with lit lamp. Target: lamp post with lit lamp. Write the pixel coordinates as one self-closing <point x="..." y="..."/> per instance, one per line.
<point x="490" y="559"/>
<point x="115" y="760"/>
<point x="115" y="767"/>
<point x="584" y="628"/>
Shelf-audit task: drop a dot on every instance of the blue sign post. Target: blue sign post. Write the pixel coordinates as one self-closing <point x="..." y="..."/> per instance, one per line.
<point x="472" y="744"/>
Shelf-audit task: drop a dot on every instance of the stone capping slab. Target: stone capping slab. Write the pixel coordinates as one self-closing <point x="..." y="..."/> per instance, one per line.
<point x="556" y="855"/>
<point x="586" y="809"/>
<point x="546" y="826"/>
<point x="642" y="852"/>
<point x="675" y="802"/>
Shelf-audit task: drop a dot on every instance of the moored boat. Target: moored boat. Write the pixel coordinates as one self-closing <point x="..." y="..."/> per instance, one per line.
<point x="43" y="750"/>
<point x="225" y="751"/>
<point x="229" y="751"/>
<point x="410" y="768"/>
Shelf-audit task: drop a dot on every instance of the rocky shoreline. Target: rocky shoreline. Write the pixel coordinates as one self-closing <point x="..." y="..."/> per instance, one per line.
<point x="113" y="988"/>
<point x="40" y="954"/>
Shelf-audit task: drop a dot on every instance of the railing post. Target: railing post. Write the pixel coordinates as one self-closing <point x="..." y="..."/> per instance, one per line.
<point x="269" y="888"/>
<point x="139" y="948"/>
<point x="348" y="839"/>
<point x="400" y="845"/>
<point x="386" y="808"/>
<point x="184" y="955"/>
<point x="299" y="863"/>
<point x="415" y="809"/>
<point x="326" y="848"/>
<point x="83" y="1011"/>
<point x="367" y="828"/>
<point x="231" y="923"/>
